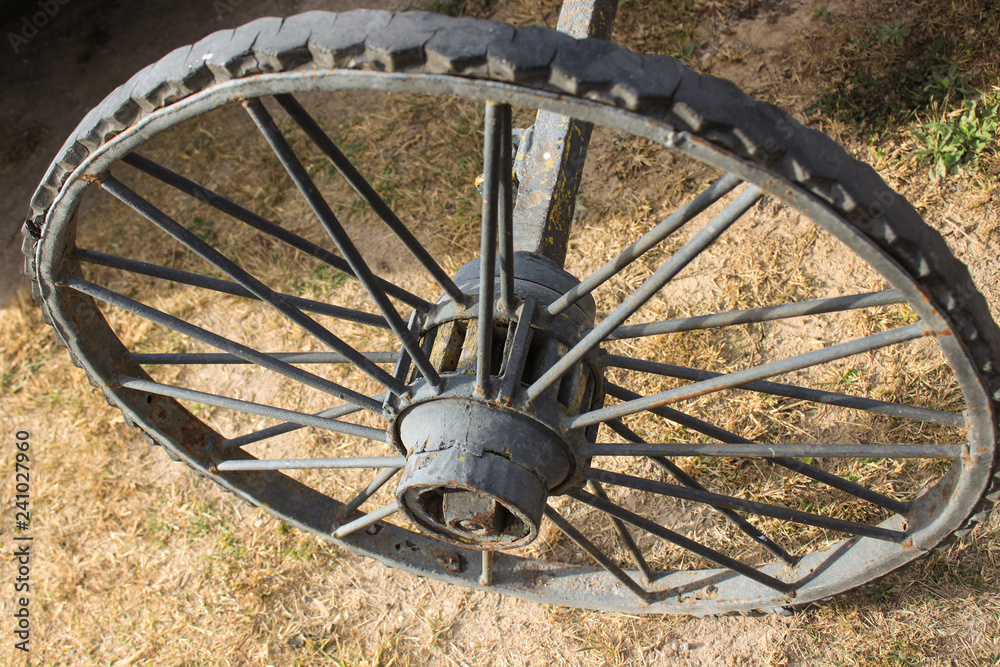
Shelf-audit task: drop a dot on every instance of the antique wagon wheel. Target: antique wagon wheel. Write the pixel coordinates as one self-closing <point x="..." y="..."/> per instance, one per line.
<point x="503" y="414"/>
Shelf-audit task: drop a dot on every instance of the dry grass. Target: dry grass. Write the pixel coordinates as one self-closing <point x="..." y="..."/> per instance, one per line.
<point x="141" y="563"/>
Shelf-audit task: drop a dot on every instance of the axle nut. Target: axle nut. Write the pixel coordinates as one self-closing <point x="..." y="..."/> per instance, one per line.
<point x="476" y="474"/>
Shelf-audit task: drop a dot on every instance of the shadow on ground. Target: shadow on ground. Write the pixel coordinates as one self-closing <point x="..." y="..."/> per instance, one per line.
<point x="59" y="58"/>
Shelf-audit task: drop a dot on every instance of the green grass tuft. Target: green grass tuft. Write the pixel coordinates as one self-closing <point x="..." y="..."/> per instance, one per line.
<point x="959" y="138"/>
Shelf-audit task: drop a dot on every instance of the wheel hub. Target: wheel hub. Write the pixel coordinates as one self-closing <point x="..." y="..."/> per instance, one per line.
<point x="478" y="474"/>
<point x="480" y="467"/>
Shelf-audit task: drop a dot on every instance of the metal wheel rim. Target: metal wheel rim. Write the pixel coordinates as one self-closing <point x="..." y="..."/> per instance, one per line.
<point x="543" y="581"/>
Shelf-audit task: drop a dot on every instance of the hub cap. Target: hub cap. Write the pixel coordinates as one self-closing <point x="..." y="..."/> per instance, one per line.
<point x="480" y="467"/>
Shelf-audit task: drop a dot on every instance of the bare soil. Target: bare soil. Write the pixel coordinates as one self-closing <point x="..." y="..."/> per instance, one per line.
<point x="54" y="76"/>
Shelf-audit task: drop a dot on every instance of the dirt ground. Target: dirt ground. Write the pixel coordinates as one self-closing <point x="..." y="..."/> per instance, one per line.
<point x="139" y="562"/>
<point x="52" y="77"/>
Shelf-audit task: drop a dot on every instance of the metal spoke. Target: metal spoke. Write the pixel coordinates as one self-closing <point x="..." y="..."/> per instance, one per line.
<point x="837" y="482"/>
<point x="762" y="509"/>
<point x="505" y="209"/>
<point x="222" y="343"/>
<point x="381" y="480"/>
<point x="730" y="380"/>
<point x="367" y="520"/>
<point x="517" y="356"/>
<point x="329" y="221"/>
<point x="755" y="315"/>
<point x="794" y="391"/>
<point x="247" y="281"/>
<point x="402" y="361"/>
<point x="650" y="239"/>
<point x="795" y="465"/>
<point x="625" y="537"/>
<point x="687" y="480"/>
<point x="812" y="450"/>
<point x="702" y="240"/>
<point x="685" y="543"/>
<point x="367" y="192"/>
<point x="287" y="427"/>
<point x="312" y="464"/>
<point x="492" y="147"/>
<point x="602" y="559"/>
<point x="486" y="572"/>
<point x="224" y="286"/>
<point x="253" y="408"/>
<point x="209" y="358"/>
<point x="262" y="224"/>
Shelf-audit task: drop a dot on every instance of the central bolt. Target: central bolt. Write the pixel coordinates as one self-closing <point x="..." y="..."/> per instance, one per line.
<point x="473" y="512"/>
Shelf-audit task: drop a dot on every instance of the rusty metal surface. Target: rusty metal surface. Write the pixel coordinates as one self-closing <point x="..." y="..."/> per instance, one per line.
<point x="551" y="155"/>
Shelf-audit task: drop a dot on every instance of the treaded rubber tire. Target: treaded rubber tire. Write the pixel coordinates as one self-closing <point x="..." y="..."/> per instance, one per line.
<point x="659" y="87"/>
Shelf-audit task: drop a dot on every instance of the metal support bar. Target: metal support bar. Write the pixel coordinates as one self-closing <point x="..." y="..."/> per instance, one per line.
<point x="381" y="480"/>
<point x="602" y="559"/>
<point x="505" y="211"/>
<point x="340" y="237"/>
<point x="367" y="520"/>
<point x="518" y="354"/>
<point x="674" y="471"/>
<point x="221" y="343"/>
<point x="731" y="380"/>
<point x="549" y="170"/>
<point x="806" y="469"/>
<point x="762" y="509"/>
<point x="394" y="462"/>
<point x="766" y="314"/>
<point x="224" y="286"/>
<point x="668" y="535"/>
<point x="401" y="369"/>
<point x="625" y="536"/>
<point x="486" y="574"/>
<point x="705" y="237"/>
<point x="779" y="450"/>
<point x="248" y="217"/>
<point x="253" y="408"/>
<point x="492" y="142"/>
<point x="211" y="255"/>
<point x="288" y="427"/>
<point x="367" y="192"/>
<point x="674" y="221"/>
<point x="212" y="358"/>
<point x="796" y="392"/>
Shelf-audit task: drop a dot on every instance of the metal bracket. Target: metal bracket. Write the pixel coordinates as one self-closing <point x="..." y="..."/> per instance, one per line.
<point x="550" y="166"/>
